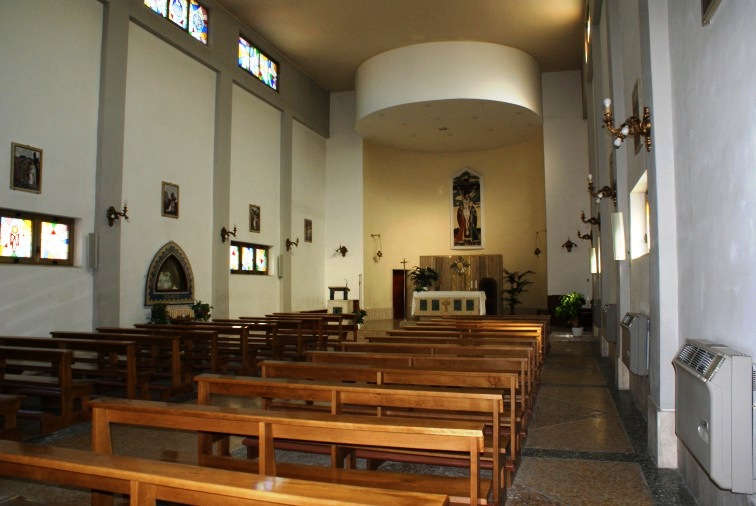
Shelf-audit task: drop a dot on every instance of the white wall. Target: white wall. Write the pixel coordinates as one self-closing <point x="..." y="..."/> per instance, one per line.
<point x="49" y="99"/>
<point x="168" y="137"/>
<point x="308" y="202"/>
<point x="343" y="199"/>
<point x="255" y="173"/>
<point x="565" y="141"/>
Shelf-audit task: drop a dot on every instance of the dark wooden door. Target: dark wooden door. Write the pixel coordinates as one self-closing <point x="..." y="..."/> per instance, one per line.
<point x="399" y="294"/>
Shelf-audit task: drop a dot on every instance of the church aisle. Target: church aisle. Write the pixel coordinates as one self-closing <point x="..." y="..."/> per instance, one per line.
<point x="586" y="443"/>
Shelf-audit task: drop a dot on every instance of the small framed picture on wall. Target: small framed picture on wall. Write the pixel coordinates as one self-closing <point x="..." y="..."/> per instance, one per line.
<point x="308" y="231"/>
<point x="170" y="200"/>
<point x="254" y="218"/>
<point x="26" y="168"/>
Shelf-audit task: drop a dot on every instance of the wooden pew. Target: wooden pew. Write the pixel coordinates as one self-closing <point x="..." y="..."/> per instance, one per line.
<point x="198" y="347"/>
<point x="339" y="325"/>
<point x="147" y="481"/>
<point x="60" y="391"/>
<point x="159" y="354"/>
<point x="501" y="349"/>
<point x="240" y="343"/>
<point x="300" y="334"/>
<point x="348" y="430"/>
<point x="439" y="362"/>
<point x="381" y="400"/>
<point x="110" y="364"/>
<point x="9" y="406"/>
<point x="513" y="420"/>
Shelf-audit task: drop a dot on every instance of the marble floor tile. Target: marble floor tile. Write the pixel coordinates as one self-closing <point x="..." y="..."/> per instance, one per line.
<point x="546" y="481"/>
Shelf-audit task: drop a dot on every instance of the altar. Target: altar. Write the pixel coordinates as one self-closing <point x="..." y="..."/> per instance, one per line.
<point x="435" y="303"/>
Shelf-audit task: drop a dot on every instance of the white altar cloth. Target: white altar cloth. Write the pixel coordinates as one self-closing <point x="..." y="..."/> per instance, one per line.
<point x="432" y="303"/>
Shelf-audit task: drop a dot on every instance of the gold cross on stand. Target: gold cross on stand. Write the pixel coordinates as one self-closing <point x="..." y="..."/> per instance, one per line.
<point x="446" y="303"/>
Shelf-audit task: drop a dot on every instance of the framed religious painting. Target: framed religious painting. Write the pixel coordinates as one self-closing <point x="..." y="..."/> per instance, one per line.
<point x="254" y="218"/>
<point x="308" y="231"/>
<point x="466" y="207"/>
<point x="170" y="200"/>
<point x="26" y="168"/>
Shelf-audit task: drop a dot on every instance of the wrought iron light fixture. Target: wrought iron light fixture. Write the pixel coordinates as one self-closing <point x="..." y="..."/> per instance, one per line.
<point x="585" y="237"/>
<point x="290" y="243"/>
<point x="569" y="245"/>
<point x="225" y="233"/>
<point x="114" y="215"/>
<point x="632" y="125"/>
<point x="342" y="249"/>
<point x="592" y="220"/>
<point x="603" y="192"/>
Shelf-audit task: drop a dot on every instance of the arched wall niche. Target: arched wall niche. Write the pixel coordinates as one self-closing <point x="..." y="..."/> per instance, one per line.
<point x="170" y="279"/>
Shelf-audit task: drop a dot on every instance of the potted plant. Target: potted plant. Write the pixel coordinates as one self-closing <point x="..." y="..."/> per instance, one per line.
<point x="159" y="313"/>
<point x="201" y="310"/>
<point x="569" y="309"/>
<point x="516" y="283"/>
<point x="423" y="277"/>
<point x="359" y="317"/>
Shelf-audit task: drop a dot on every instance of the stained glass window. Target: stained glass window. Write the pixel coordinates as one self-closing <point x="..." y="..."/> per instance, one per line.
<point x="35" y="239"/>
<point x="234" y="258"/>
<point x="159" y="6"/>
<point x="179" y="12"/>
<point x="258" y="63"/>
<point x="190" y="15"/>
<point x="15" y="237"/>
<point x="54" y="240"/>
<point x="198" y="21"/>
<point x="249" y="258"/>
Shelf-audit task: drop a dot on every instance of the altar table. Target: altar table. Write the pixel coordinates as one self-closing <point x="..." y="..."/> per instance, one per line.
<point x="436" y="303"/>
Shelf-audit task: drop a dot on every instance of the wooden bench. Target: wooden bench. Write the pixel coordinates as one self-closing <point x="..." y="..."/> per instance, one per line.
<point x="438" y="362"/>
<point x="198" y="347"/>
<point x="350" y="430"/>
<point x="147" y="481"/>
<point x="339" y="325"/>
<point x="481" y="350"/>
<point x="59" y="392"/>
<point x="513" y="420"/>
<point x="9" y="406"/>
<point x="159" y="354"/>
<point x="108" y="364"/>
<point x="379" y="400"/>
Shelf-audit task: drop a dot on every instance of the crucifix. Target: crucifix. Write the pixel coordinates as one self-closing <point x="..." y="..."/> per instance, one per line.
<point x="404" y="288"/>
<point x="446" y="303"/>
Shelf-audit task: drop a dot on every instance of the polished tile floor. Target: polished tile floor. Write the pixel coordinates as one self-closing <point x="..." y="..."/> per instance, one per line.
<point x="586" y="444"/>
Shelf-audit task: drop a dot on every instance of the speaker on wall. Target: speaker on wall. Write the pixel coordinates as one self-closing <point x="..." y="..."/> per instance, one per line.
<point x="92" y="251"/>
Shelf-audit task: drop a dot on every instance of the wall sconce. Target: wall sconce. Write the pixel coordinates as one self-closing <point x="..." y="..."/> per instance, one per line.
<point x="569" y="245"/>
<point x="114" y="215"/>
<point x="586" y="237"/>
<point x="290" y="243"/>
<point x="537" y="250"/>
<point x="603" y="192"/>
<point x="592" y="220"/>
<point x="632" y="125"/>
<point x="225" y="233"/>
<point x="618" y="236"/>
<point x="343" y="250"/>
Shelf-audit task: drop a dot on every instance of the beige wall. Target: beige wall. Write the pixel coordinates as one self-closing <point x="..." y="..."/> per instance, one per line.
<point x="407" y="197"/>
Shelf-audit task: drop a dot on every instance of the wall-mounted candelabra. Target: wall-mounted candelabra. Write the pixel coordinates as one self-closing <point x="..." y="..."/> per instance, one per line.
<point x="290" y="243"/>
<point x="603" y="192"/>
<point x="225" y="233"/>
<point x="631" y="126"/>
<point x="585" y="237"/>
<point x="592" y="220"/>
<point x="114" y="215"/>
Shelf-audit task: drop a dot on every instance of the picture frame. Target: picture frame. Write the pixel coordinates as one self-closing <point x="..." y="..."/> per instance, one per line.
<point x="466" y="210"/>
<point x="254" y="218"/>
<point x="26" y="168"/>
<point x="308" y="230"/>
<point x="170" y="200"/>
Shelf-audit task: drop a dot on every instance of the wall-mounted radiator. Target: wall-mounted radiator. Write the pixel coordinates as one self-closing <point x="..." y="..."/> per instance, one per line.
<point x="714" y="419"/>
<point x="609" y="322"/>
<point x="634" y="327"/>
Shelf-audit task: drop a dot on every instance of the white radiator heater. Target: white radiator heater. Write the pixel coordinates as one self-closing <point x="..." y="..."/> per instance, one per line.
<point x="714" y="404"/>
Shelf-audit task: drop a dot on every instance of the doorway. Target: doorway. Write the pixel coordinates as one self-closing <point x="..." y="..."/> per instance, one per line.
<point x="399" y="294"/>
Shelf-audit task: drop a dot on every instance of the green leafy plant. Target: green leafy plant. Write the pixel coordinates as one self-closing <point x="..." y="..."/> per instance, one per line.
<point x="201" y="310"/>
<point x="516" y="283"/>
<point x="360" y="316"/>
<point x="159" y="313"/>
<point x="423" y="277"/>
<point x="569" y="307"/>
